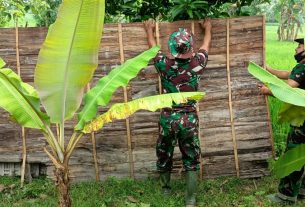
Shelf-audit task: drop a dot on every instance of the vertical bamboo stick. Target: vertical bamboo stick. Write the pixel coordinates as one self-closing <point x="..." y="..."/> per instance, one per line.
<point x="24" y="148"/>
<point x="24" y="155"/>
<point x="266" y="97"/>
<point x="94" y="152"/>
<point x="198" y="110"/>
<point x="130" y="154"/>
<point x="158" y="43"/>
<point x="230" y="100"/>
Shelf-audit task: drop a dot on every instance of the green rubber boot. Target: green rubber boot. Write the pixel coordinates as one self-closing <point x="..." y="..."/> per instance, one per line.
<point x="191" y="188"/>
<point x="165" y="183"/>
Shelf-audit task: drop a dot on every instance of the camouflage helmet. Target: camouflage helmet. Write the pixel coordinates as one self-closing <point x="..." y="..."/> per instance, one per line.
<point x="180" y="44"/>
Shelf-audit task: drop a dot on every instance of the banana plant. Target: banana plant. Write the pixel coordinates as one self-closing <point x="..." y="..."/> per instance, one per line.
<point x="65" y="65"/>
<point x="292" y="111"/>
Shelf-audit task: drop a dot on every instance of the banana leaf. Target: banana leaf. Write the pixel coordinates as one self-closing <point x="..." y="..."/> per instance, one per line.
<point x="69" y="57"/>
<point x="100" y="94"/>
<point x="292" y="160"/>
<point x="293" y="98"/>
<point x="264" y="76"/>
<point x="151" y="103"/>
<point x="2" y="63"/>
<point x="21" y="101"/>
<point x="295" y="115"/>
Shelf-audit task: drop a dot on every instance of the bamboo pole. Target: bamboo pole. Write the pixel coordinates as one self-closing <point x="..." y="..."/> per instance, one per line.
<point x="157" y="30"/>
<point x="130" y="154"/>
<point x="94" y="152"/>
<point x="266" y="97"/>
<point x="24" y="147"/>
<point x="198" y="110"/>
<point x="97" y="172"/>
<point x="230" y="100"/>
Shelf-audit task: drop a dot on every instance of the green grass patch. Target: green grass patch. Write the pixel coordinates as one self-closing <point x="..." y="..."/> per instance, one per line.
<point x="114" y="192"/>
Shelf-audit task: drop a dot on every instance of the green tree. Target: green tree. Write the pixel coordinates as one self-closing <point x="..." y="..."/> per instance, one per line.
<point x="65" y="65"/>
<point x="44" y="11"/>
<point x="12" y="9"/>
<point x="290" y="16"/>
<point x="138" y="10"/>
<point x="171" y="10"/>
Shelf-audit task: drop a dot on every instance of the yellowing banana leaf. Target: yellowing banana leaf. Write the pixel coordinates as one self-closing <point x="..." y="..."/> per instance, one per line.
<point x="295" y="115"/>
<point x="292" y="160"/>
<point x="2" y="63"/>
<point x="151" y="103"/>
<point x="284" y="92"/>
<point x="120" y="76"/>
<point x="69" y="57"/>
<point x="21" y="101"/>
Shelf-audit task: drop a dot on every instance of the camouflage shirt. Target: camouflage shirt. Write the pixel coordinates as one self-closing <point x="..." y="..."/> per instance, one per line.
<point x="298" y="74"/>
<point x="181" y="75"/>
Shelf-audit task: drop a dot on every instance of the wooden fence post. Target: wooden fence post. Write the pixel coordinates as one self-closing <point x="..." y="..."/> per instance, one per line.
<point x="24" y="148"/>
<point x="130" y="154"/>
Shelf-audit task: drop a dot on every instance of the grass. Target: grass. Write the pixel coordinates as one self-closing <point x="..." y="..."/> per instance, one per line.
<point x="113" y="192"/>
<point x="220" y="192"/>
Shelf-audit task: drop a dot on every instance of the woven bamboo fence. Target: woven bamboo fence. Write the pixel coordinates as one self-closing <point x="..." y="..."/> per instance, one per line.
<point x="235" y="130"/>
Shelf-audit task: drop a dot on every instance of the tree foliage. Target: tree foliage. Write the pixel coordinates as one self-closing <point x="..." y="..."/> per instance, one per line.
<point x="291" y="18"/>
<point x="12" y="9"/>
<point x="290" y="14"/>
<point x="44" y="11"/>
<point x="171" y="10"/>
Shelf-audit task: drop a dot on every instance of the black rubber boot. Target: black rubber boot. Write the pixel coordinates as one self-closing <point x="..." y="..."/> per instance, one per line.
<point x="165" y="183"/>
<point x="191" y="188"/>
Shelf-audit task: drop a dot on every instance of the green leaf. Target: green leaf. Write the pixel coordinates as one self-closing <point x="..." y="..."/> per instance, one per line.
<point x="2" y="63"/>
<point x="151" y="103"/>
<point x="292" y="160"/>
<point x="177" y="10"/>
<point x="190" y="13"/>
<point x="69" y="57"/>
<point x="295" y="115"/>
<point x="21" y="101"/>
<point x="263" y="75"/>
<point x="100" y="95"/>
<point x="284" y="92"/>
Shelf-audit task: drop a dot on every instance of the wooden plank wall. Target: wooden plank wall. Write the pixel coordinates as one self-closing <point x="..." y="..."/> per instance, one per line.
<point x="235" y="128"/>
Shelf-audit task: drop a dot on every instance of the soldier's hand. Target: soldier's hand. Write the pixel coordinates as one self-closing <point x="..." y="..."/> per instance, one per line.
<point x="263" y="89"/>
<point x="206" y="24"/>
<point x="149" y="25"/>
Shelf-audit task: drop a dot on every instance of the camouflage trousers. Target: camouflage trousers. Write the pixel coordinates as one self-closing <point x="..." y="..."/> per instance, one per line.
<point x="293" y="185"/>
<point x="181" y="127"/>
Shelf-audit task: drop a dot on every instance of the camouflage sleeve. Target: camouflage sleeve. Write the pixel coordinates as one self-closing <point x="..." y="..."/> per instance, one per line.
<point x="160" y="61"/>
<point x="298" y="74"/>
<point x="202" y="59"/>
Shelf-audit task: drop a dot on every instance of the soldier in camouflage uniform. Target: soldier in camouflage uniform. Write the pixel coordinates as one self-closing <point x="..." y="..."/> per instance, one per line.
<point x="291" y="187"/>
<point x="180" y="122"/>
